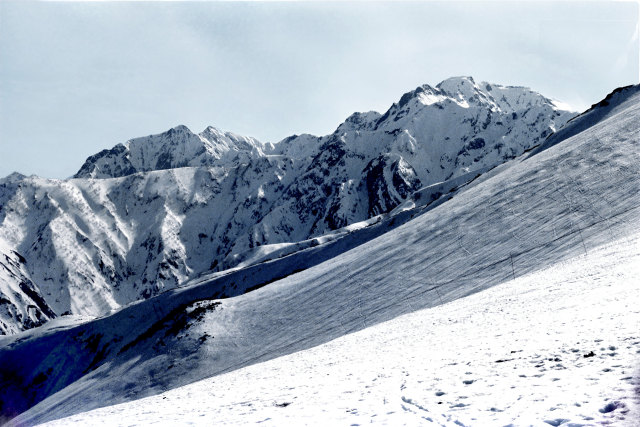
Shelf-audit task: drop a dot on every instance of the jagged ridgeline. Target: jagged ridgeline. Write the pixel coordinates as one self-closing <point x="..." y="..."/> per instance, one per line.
<point x="154" y="212"/>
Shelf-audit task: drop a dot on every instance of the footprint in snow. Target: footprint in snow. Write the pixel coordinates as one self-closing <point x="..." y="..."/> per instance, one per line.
<point x="611" y="406"/>
<point x="556" y="422"/>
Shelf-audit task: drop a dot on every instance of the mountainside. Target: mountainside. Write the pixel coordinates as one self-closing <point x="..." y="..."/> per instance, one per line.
<point x="409" y="371"/>
<point x="519" y="218"/>
<point x="20" y="299"/>
<point x="157" y="211"/>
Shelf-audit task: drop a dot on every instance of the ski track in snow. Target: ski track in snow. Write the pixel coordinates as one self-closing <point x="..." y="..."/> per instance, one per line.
<point x="555" y="347"/>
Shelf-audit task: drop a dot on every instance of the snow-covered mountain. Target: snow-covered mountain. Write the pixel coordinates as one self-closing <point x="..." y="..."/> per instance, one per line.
<point x="150" y="214"/>
<point x="448" y="241"/>
<point x="176" y="148"/>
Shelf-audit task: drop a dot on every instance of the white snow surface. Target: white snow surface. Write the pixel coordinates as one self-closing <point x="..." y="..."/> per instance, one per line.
<point x="560" y="346"/>
<point x="535" y="215"/>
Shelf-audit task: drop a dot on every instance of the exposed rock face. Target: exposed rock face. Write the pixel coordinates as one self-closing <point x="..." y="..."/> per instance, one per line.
<point x="389" y="180"/>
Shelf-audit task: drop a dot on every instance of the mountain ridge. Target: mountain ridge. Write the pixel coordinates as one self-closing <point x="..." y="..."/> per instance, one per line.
<point x="150" y="214"/>
<point x="455" y="89"/>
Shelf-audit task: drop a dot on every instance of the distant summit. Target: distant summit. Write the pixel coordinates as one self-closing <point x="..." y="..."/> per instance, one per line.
<point x="177" y="147"/>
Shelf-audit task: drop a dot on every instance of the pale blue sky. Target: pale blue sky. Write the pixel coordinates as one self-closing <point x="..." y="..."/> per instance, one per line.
<point x="76" y="78"/>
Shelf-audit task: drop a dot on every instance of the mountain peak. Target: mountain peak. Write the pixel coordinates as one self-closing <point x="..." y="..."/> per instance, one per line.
<point x="212" y="133"/>
<point x="180" y="128"/>
<point x="464" y="85"/>
<point x="476" y="99"/>
<point x="174" y="148"/>
<point x="457" y="80"/>
<point x="13" y="177"/>
<point x="457" y="89"/>
<point x="420" y="90"/>
<point x="359" y="121"/>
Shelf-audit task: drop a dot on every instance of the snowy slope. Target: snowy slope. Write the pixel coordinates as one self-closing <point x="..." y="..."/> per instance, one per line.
<point x="612" y="104"/>
<point x="157" y="211"/>
<point x="476" y="361"/>
<point x="516" y="219"/>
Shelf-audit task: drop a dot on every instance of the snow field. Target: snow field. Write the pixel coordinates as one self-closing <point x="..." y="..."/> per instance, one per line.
<point x="556" y="347"/>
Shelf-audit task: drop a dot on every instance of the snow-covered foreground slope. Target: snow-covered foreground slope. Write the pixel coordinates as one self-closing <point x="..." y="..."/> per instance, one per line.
<point x="152" y="213"/>
<point x="516" y="219"/>
<point x="560" y="346"/>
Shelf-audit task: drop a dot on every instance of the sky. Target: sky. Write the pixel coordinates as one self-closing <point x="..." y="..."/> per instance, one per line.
<point x="79" y="77"/>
